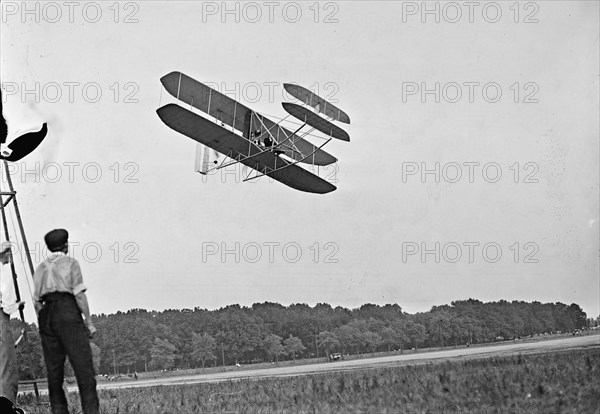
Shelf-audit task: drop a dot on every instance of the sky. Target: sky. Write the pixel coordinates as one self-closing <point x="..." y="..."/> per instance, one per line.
<point x="472" y="169"/>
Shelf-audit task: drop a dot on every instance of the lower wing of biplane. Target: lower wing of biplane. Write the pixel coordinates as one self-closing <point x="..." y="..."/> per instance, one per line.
<point x="246" y="137"/>
<point x="240" y="149"/>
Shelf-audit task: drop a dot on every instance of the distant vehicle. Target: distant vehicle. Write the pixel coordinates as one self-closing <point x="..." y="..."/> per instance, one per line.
<point x="335" y="356"/>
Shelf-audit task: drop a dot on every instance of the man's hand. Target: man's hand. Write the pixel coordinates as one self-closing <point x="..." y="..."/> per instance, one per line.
<point x="38" y="307"/>
<point x="12" y="308"/>
<point x="91" y="330"/>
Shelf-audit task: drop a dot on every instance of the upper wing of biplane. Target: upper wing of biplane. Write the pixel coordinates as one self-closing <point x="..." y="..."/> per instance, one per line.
<point x="314" y="120"/>
<point x="319" y="104"/>
<point x="235" y="115"/>
<point x="241" y="149"/>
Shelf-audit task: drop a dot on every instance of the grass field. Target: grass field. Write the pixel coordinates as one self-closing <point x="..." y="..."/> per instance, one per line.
<point x="558" y="382"/>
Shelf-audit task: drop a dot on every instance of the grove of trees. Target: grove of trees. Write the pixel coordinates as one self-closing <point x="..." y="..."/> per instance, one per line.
<point x="140" y="340"/>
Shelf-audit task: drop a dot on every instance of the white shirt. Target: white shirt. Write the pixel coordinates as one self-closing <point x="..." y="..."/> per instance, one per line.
<point x="58" y="273"/>
<point x="7" y="308"/>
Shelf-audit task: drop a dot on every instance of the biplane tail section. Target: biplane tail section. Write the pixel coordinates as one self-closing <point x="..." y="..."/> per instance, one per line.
<point x="316" y="121"/>
<point x="315" y="101"/>
<point x="206" y="159"/>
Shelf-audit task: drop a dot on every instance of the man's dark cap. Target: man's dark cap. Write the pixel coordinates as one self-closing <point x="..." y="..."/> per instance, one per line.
<point x="56" y="239"/>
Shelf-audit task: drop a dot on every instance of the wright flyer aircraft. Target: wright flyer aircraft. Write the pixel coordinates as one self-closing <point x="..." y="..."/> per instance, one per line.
<point x="231" y="133"/>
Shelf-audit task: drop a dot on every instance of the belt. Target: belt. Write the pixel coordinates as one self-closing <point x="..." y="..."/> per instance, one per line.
<point x="56" y="296"/>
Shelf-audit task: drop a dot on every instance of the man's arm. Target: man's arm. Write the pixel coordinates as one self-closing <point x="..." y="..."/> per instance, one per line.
<point x="82" y="303"/>
<point x="38" y="278"/>
<point x="79" y="292"/>
<point x="12" y="308"/>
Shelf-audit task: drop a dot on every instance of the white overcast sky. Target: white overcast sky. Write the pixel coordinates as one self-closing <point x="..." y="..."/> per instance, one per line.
<point x="149" y="223"/>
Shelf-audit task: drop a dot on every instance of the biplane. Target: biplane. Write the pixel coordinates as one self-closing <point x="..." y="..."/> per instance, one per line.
<point x="233" y="133"/>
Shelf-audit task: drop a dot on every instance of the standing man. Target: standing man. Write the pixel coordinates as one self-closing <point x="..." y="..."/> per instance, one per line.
<point x="60" y="302"/>
<point x="9" y="380"/>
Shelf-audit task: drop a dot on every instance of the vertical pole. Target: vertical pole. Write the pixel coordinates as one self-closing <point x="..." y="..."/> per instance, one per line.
<point x="6" y="235"/>
<point x="209" y="98"/>
<point x="250" y="134"/>
<point x="223" y="353"/>
<point x="36" y="391"/>
<point x="233" y="122"/>
<point x="19" y="221"/>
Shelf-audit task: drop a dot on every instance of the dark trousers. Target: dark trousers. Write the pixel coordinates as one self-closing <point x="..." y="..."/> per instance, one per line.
<point x="9" y="379"/>
<point x="64" y="334"/>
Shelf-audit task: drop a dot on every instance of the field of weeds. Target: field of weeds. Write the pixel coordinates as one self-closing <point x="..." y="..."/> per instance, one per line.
<point x="560" y="382"/>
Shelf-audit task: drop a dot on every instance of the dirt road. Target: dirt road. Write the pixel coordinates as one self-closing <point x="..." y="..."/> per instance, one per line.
<point x="408" y="358"/>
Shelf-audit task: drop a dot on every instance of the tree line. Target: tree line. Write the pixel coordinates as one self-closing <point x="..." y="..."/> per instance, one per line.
<point x="140" y="340"/>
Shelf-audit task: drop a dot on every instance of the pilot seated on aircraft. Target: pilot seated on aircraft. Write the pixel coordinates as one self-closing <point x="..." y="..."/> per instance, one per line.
<point x="270" y="143"/>
<point x="254" y="135"/>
